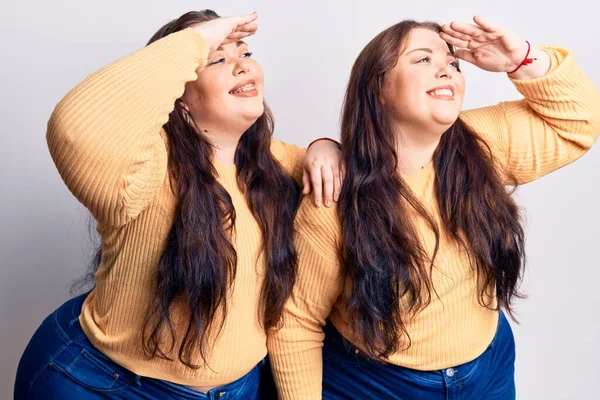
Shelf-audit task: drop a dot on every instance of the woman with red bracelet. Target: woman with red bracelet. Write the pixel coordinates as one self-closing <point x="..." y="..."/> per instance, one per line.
<point x="171" y="150"/>
<point x="404" y="285"/>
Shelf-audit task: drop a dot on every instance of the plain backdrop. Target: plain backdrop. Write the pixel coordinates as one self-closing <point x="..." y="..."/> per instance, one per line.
<point x="306" y="50"/>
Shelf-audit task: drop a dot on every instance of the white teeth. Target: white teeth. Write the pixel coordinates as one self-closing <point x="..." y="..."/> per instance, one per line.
<point x="246" y="88"/>
<point x="442" y="92"/>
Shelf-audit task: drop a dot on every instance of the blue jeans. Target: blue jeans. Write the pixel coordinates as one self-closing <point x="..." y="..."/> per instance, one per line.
<point x="347" y="375"/>
<point x="61" y="363"/>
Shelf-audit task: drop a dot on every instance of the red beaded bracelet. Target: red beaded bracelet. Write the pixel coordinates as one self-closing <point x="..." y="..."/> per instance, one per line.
<point x="325" y="138"/>
<point x="526" y="60"/>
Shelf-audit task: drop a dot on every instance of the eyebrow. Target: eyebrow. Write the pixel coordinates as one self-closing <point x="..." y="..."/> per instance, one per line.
<point x="427" y="50"/>
<point x="238" y="44"/>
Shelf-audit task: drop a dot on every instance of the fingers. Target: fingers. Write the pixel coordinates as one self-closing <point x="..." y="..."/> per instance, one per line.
<point x="342" y="175"/>
<point x="226" y="30"/>
<point x="466" y="29"/>
<point x="250" y="27"/>
<point x="448" y="31"/>
<point x="241" y="27"/>
<point x="328" y="183"/>
<point x="305" y="182"/>
<point x="337" y="182"/>
<point x="241" y="32"/>
<point x="317" y="185"/>
<point x="246" y="19"/>
<point x="454" y="41"/>
<point x="235" y="36"/>
<point x="466" y="55"/>
<point x="485" y="24"/>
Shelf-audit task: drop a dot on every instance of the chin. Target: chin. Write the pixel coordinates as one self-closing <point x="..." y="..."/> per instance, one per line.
<point x="441" y="126"/>
<point x="447" y="119"/>
<point x="254" y="113"/>
<point x="250" y="118"/>
<point x="246" y="111"/>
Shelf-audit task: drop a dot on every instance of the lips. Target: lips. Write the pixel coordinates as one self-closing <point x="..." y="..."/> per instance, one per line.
<point x="247" y="86"/>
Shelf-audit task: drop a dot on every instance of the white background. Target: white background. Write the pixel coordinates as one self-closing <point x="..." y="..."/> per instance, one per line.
<point x="306" y="50"/>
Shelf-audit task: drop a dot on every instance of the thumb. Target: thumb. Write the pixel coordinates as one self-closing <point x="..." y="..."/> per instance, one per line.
<point x="305" y="182"/>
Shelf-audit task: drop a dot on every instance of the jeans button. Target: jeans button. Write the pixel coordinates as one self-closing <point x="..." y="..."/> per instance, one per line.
<point x="450" y="372"/>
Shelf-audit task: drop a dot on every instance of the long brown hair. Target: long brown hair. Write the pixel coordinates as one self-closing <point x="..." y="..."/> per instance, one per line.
<point x="198" y="264"/>
<point x="380" y="250"/>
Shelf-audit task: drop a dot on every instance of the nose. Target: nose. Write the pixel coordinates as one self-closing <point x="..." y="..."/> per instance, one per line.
<point x="242" y="67"/>
<point x="445" y="71"/>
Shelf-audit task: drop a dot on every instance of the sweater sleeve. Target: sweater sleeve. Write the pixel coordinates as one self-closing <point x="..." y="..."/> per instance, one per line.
<point x="291" y="158"/>
<point x="295" y="349"/>
<point x="105" y="136"/>
<point x="556" y="123"/>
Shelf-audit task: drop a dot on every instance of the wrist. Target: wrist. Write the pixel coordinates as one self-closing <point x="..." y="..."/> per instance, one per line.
<point x="536" y="68"/>
<point x="526" y="60"/>
<point x="325" y="138"/>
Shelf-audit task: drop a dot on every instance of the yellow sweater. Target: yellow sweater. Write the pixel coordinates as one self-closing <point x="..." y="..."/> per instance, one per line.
<point x="107" y="141"/>
<point x="556" y="123"/>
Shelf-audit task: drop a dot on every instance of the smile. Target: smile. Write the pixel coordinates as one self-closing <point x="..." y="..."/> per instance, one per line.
<point x="445" y="92"/>
<point x="441" y="92"/>
<point x="245" y="88"/>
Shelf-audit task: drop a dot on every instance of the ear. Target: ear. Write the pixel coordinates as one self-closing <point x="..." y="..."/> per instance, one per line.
<point x="187" y="97"/>
<point x="382" y="94"/>
<point x="383" y="89"/>
<point x="184" y="106"/>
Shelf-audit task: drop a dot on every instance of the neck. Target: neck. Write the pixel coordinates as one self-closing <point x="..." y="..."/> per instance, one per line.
<point x="225" y="151"/>
<point x="415" y="148"/>
<point x="225" y="143"/>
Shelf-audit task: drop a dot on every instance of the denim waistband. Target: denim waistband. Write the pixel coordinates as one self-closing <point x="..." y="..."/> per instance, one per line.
<point x="353" y="354"/>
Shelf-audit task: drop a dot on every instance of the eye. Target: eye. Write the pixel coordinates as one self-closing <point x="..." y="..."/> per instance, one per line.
<point x="426" y="59"/>
<point x="455" y="65"/>
<point x="246" y="55"/>
<point x="219" y="61"/>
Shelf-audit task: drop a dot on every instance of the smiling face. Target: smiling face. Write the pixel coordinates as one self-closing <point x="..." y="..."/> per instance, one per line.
<point x="425" y="89"/>
<point x="228" y="94"/>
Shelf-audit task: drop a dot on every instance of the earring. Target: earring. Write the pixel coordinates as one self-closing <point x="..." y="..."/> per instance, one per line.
<point x="187" y="118"/>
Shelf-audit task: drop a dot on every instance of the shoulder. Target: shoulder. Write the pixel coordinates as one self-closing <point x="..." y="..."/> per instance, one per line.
<point x="319" y="226"/>
<point x="289" y="155"/>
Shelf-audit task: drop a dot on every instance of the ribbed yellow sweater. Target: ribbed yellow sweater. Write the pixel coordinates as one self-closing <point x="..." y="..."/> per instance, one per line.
<point x="556" y="123"/>
<point x="106" y="139"/>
